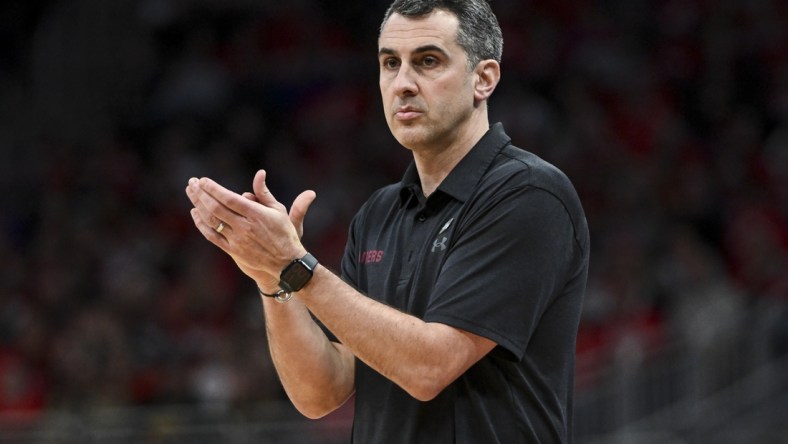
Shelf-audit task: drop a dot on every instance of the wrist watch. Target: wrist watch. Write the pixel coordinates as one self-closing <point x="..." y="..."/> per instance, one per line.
<point x="297" y="273"/>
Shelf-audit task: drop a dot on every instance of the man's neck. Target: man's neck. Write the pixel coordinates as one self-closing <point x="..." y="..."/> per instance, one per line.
<point x="434" y="165"/>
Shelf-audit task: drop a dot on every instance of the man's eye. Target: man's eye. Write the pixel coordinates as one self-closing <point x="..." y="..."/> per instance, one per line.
<point x="390" y="63"/>
<point x="429" y="61"/>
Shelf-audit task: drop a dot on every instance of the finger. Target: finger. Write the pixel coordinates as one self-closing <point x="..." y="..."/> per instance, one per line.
<point x="194" y="193"/>
<point x="212" y="212"/>
<point x="209" y="232"/>
<point x="225" y="202"/>
<point x="299" y="208"/>
<point x="262" y="192"/>
<point x="249" y="196"/>
<point x="193" y="190"/>
<point x="221" y="229"/>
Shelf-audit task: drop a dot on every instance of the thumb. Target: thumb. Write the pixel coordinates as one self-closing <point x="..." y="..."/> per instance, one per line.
<point x="299" y="208"/>
<point x="261" y="191"/>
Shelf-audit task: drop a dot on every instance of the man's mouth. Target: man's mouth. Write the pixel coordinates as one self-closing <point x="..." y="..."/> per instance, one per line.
<point x="405" y="113"/>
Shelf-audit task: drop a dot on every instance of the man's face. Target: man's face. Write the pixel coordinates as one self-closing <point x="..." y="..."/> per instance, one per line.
<point x="425" y="83"/>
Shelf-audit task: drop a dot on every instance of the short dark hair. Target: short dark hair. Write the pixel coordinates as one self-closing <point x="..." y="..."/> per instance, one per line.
<point x="479" y="33"/>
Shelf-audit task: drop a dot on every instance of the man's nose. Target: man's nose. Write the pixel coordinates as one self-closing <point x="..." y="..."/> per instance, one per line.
<point x="405" y="82"/>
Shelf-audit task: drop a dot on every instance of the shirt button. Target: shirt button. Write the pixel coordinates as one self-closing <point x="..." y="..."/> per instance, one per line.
<point x="422" y="218"/>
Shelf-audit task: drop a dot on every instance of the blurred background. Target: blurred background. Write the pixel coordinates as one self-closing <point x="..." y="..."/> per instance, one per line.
<point x="120" y="323"/>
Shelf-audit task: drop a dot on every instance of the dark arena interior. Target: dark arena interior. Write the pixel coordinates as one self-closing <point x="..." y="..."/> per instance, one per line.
<point x="120" y="324"/>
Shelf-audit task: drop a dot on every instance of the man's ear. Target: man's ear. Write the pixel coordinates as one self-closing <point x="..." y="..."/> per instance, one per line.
<point x="487" y="75"/>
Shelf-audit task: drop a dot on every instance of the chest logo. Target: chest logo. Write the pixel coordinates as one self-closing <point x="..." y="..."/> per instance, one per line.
<point x="370" y="257"/>
<point x="439" y="245"/>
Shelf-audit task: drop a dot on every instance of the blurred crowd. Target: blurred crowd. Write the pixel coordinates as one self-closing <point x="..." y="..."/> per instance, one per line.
<point x="670" y="117"/>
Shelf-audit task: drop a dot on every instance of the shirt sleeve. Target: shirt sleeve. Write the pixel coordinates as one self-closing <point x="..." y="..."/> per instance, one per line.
<point x="509" y="259"/>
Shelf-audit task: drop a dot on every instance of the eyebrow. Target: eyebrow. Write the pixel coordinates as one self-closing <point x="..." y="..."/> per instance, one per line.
<point x="419" y="50"/>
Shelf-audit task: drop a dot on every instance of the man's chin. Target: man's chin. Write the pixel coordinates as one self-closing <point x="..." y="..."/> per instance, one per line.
<point x="410" y="136"/>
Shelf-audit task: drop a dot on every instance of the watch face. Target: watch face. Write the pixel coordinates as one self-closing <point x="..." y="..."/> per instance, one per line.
<point x="295" y="276"/>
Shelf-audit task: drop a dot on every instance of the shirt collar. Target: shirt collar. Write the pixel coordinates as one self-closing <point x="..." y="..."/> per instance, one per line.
<point x="465" y="176"/>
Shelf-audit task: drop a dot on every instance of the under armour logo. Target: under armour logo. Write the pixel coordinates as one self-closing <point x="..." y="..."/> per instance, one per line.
<point x="439" y="244"/>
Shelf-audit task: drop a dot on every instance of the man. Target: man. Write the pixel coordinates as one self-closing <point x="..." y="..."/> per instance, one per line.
<point x="456" y="313"/>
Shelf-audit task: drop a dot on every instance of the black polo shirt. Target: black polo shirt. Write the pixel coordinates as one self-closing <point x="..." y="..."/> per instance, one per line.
<point x="500" y="250"/>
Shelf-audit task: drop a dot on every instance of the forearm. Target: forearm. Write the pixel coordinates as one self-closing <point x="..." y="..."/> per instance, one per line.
<point x="261" y="237"/>
<point x="317" y="375"/>
<point x="420" y="357"/>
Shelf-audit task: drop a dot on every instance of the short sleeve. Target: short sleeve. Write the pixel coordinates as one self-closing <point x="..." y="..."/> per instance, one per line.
<point x="508" y="261"/>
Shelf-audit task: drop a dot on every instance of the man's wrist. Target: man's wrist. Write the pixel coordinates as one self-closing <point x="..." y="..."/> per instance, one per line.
<point x="268" y="294"/>
<point x="295" y="276"/>
<point x="279" y="295"/>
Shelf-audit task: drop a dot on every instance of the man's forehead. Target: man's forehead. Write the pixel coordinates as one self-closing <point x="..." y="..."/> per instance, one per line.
<point x="438" y="27"/>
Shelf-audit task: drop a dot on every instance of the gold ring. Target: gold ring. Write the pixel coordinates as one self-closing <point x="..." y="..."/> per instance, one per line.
<point x="220" y="227"/>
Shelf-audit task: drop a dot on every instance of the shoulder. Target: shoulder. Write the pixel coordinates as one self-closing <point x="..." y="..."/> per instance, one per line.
<point x="520" y="171"/>
<point x="528" y="169"/>
<point x="515" y="170"/>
